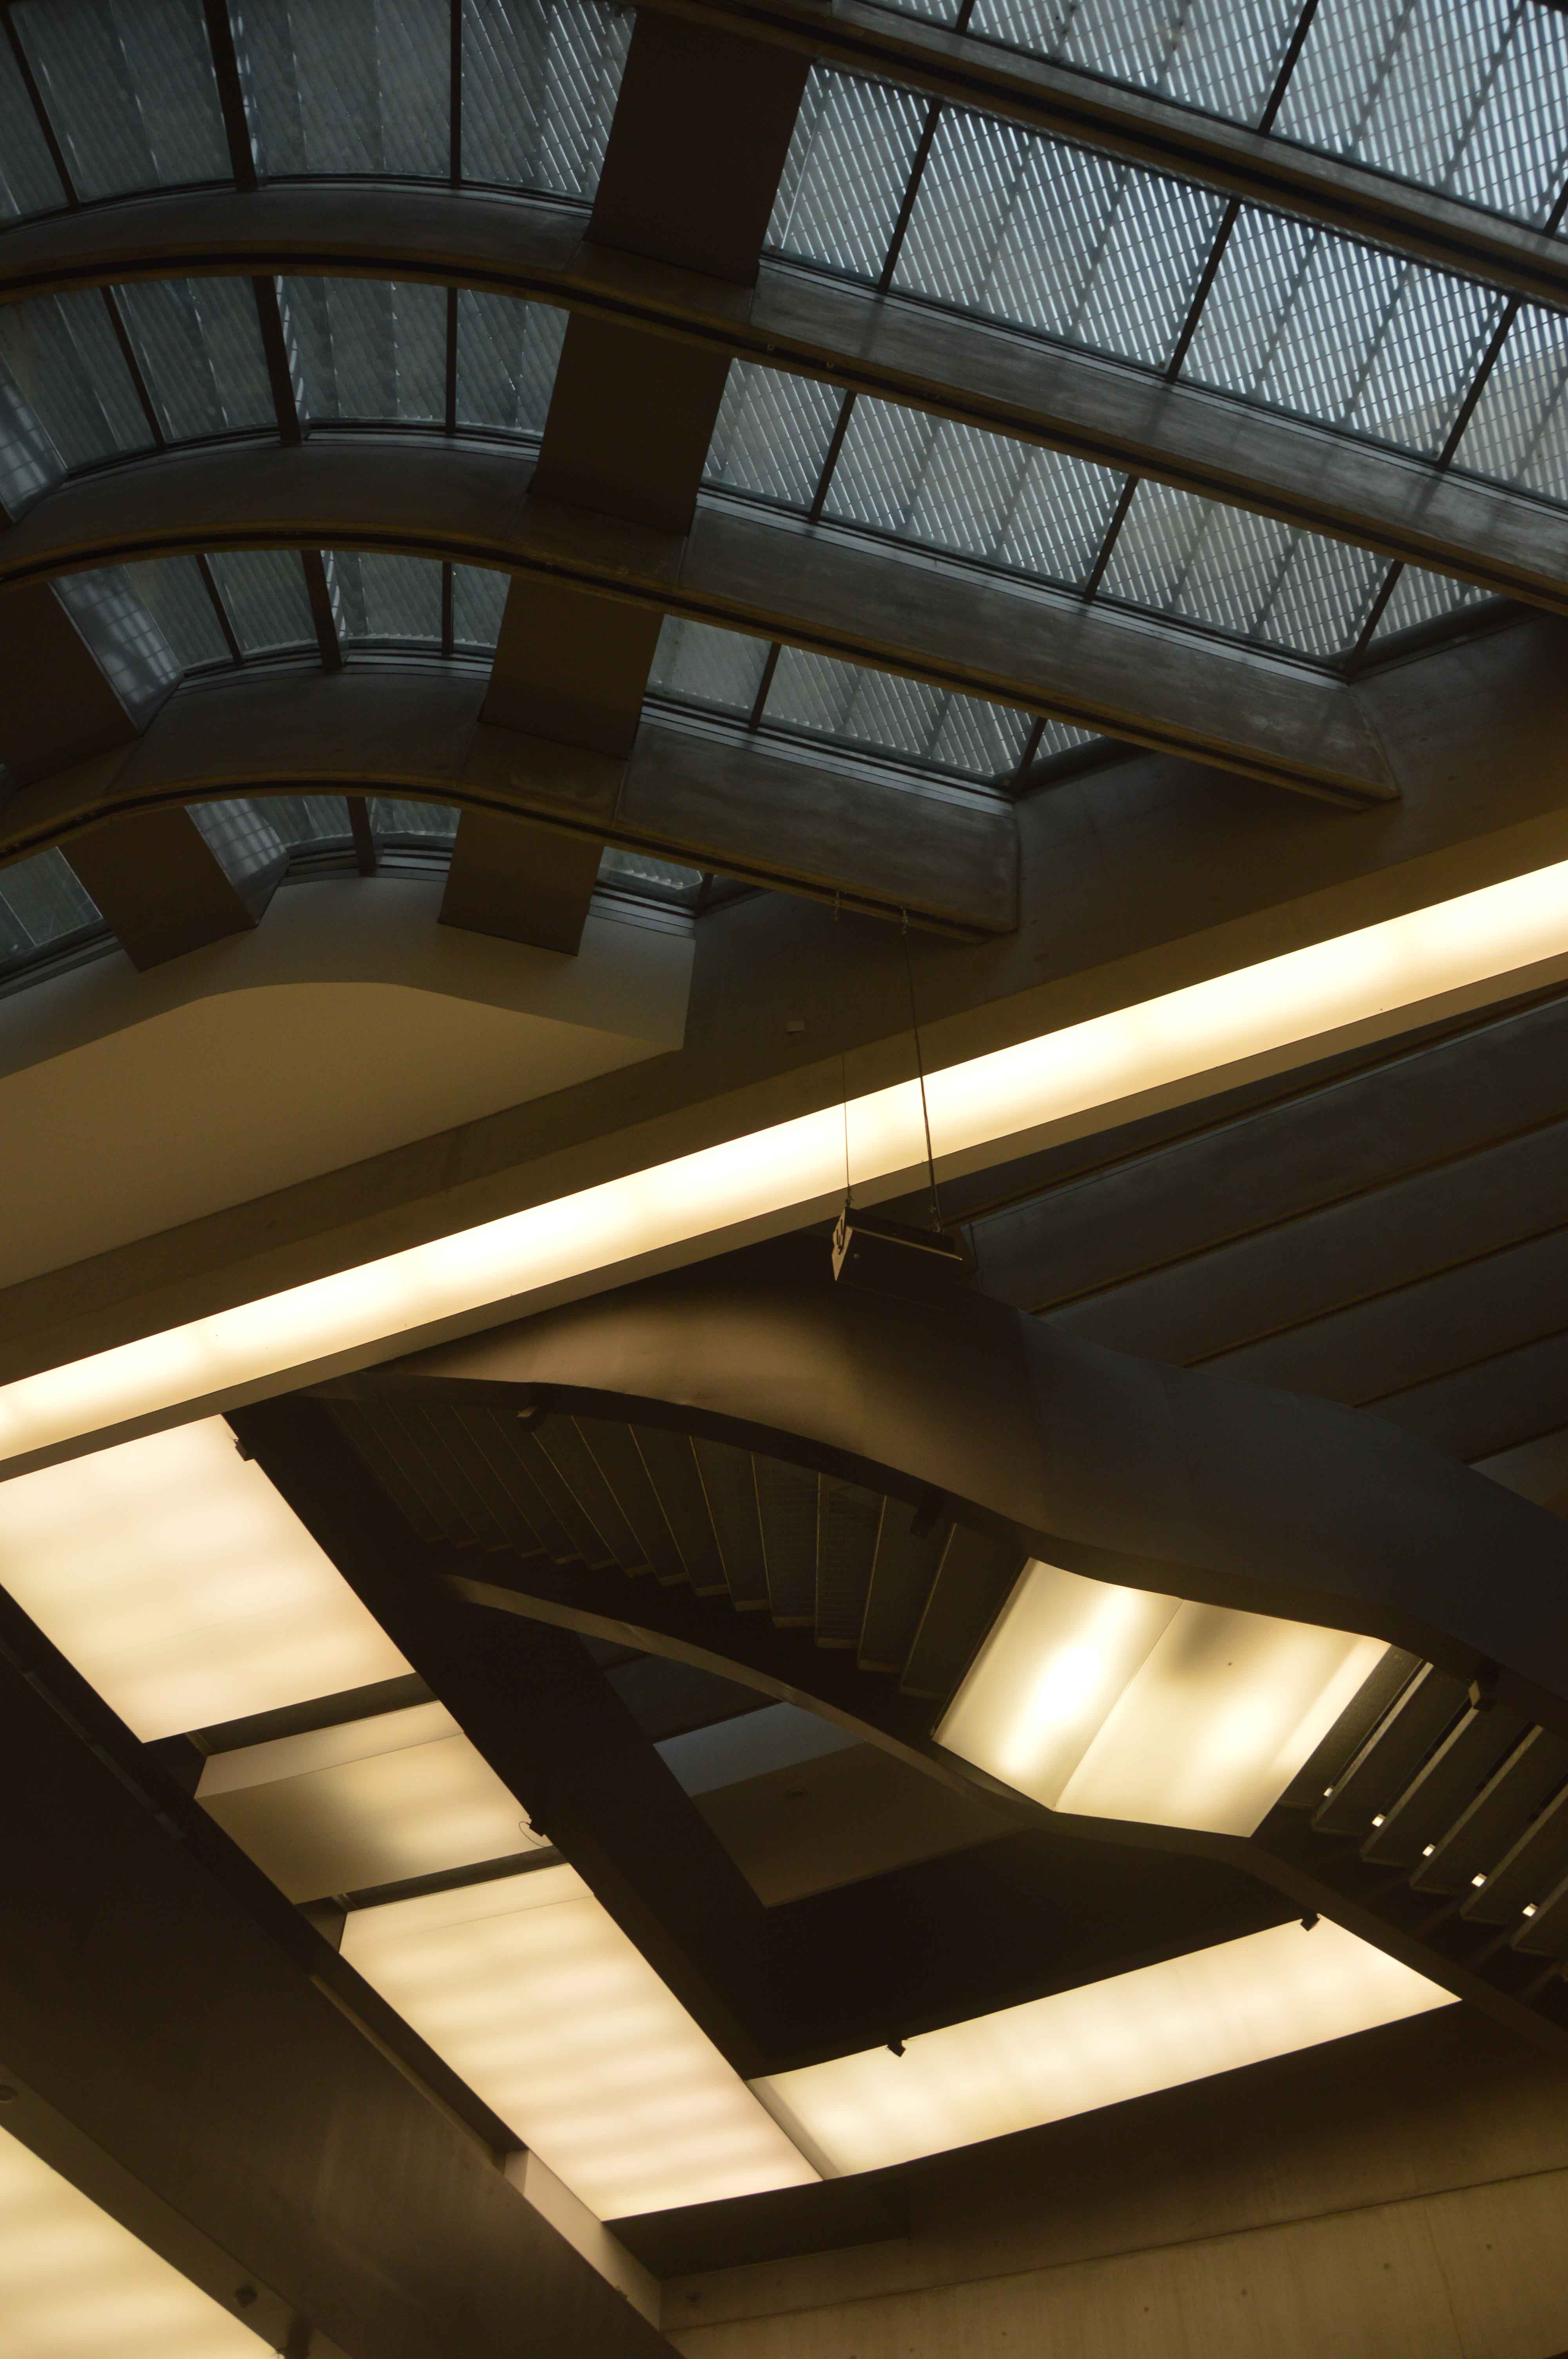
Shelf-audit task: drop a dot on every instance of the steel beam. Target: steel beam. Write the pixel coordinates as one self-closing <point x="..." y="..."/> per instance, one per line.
<point x="860" y="37"/>
<point x="232" y="2107"/>
<point x="937" y="362"/>
<point x="850" y="837"/>
<point x="1101" y="668"/>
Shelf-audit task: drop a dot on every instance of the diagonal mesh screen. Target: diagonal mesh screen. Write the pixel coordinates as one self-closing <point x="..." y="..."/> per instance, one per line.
<point x="540" y="82"/>
<point x="28" y="181"/>
<point x="61" y="354"/>
<point x="172" y="591"/>
<point x="351" y="86"/>
<point x="42" y="909"/>
<point x="129" y="88"/>
<point x="264" y="597"/>
<point x="507" y="355"/>
<point x="388" y="598"/>
<point x="1519" y="428"/>
<point x="199" y="346"/>
<point x="370" y="350"/>
<point x="906" y="718"/>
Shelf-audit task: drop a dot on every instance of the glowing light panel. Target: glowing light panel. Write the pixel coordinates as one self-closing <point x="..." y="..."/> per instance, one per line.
<point x="1211" y="2011"/>
<point x="75" y="2285"/>
<point x="173" y="1576"/>
<point x="1117" y="1703"/>
<point x="532" y="1992"/>
<point x="366" y="1802"/>
<point x="795" y="1168"/>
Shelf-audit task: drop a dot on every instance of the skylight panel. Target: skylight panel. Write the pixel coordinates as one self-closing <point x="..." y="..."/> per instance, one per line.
<point x="640" y="874"/>
<point x="540" y="82"/>
<point x="1472" y="100"/>
<point x="351" y="86"/>
<point x="976" y="493"/>
<point x="1243" y="574"/>
<point x="845" y="176"/>
<point x="28" y="181"/>
<point x="772" y="434"/>
<point x="1331" y="330"/>
<point x="68" y="367"/>
<point x="696" y="664"/>
<point x="265" y="596"/>
<point x="508" y="353"/>
<point x="1419" y="597"/>
<point x="198" y="345"/>
<point x="42" y="906"/>
<point x="129" y="89"/>
<point x="172" y="591"/>
<point x="1519" y="428"/>
<point x="1073" y="245"/>
<point x="906" y="718"/>
<point x="1221" y="55"/>
<point x="369" y="349"/>
<point x="380" y="597"/>
<point x="479" y="596"/>
<point x="303" y="822"/>
<point x="429" y="826"/>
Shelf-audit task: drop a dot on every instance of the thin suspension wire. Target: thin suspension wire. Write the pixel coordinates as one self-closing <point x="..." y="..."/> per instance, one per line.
<point x="843" y="1044"/>
<point x="920" y="1070"/>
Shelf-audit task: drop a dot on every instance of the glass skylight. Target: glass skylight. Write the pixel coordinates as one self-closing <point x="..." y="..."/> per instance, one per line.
<point x="264" y="594"/>
<point x="63" y="353"/>
<point x="175" y="596"/>
<point x="377" y="597"/>
<point x="351" y="86"/>
<point x="198" y="341"/>
<point x="28" y="181"/>
<point x="43" y="909"/>
<point x="540" y="82"/>
<point x="370" y="350"/>
<point x="130" y="91"/>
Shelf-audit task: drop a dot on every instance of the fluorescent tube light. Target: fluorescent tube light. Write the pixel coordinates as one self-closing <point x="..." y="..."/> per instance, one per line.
<point x="173" y="1576"/>
<point x="531" y="1991"/>
<point x="794" y="1170"/>
<point x="370" y="1801"/>
<point x="1211" y="2011"/>
<point x="1118" y="1703"/>
<point x="74" y="2284"/>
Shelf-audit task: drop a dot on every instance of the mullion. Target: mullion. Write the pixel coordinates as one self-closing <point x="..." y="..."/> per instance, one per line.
<point x="209" y="583"/>
<point x="455" y="96"/>
<point x="36" y="99"/>
<point x="133" y="363"/>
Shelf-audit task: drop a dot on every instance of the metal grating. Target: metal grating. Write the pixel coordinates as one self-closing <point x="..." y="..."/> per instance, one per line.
<point x="350" y="86"/>
<point x="1219" y="55"/>
<point x="175" y="595"/>
<point x="697" y="664"/>
<point x="1072" y="245"/>
<point x="43" y="909"/>
<point x="1240" y="573"/>
<point x="844" y="179"/>
<point x="129" y="89"/>
<point x="376" y="597"/>
<point x="265" y="596"/>
<point x="28" y="181"/>
<point x="1473" y="101"/>
<point x="540" y="82"/>
<point x="507" y="355"/>
<point x="1418" y="598"/>
<point x="370" y="350"/>
<point x="874" y="712"/>
<point x="199" y="346"/>
<point x="61" y="354"/>
<point x="478" y="597"/>
<point x="960" y="489"/>
<point x="1314" y="325"/>
<point x="772" y="434"/>
<point x="640" y="877"/>
<point x="1517" y="432"/>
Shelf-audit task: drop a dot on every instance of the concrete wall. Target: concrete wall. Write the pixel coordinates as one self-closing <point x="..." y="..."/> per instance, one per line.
<point x="1401" y="2195"/>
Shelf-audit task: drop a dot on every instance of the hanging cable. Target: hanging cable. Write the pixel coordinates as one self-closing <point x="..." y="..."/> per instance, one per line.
<point x="920" y="1070"/>
<point x="843" y="1046"/>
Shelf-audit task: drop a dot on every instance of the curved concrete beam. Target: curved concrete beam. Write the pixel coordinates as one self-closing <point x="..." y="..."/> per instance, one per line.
<point x="1159" y="1477"/>
<point x="863" y="842"/>
<point x="1090" y="665"/>
<point x="949" y="366"/>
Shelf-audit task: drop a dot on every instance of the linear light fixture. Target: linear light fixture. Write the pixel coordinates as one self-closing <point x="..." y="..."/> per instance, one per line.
<point x="369" y="1801"/>
<point x="74" y="2284"/>
<point x="174" y="1576"/>
<point x="1118" y="1703"/>
<point x="531" y="1991"/>
<point x="1187" y="2017"/>
<point x="794" y="1170"/>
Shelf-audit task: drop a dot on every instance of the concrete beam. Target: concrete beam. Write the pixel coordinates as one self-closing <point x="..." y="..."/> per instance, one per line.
<point x="1150" y="683"/>
<point x="941" y="364"/>
<point x="1156" y="132"/>
<point x="865" y="843"/>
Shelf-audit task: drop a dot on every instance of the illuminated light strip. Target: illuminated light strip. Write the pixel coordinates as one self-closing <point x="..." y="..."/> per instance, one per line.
<point x="793" y="1170"/>
<point x="1211" y="2011"/>
<point x="74" y="2284"/>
